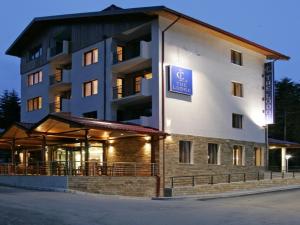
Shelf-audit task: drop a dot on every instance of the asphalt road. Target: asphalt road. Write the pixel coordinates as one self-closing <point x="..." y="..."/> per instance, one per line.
<point x="26" y="207"/>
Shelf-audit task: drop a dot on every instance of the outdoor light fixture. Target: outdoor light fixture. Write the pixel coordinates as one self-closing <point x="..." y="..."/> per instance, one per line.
<point x="287" y="157"/>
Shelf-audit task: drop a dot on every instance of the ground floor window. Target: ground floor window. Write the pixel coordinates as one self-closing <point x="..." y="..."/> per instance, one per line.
<point x="213" y="154"/>
<point x="185" y="152"/>
<point x="238" y="155"/>
<point x="258" y="156"/>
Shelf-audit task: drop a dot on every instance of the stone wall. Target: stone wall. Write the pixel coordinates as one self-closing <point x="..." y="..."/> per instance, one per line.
<point x="126" y="186"/>
<point x="134" y="149"/>
<point x="238" y="186"/>
<point x="200" y="157"/>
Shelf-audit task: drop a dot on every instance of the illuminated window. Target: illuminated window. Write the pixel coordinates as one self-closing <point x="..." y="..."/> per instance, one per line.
<point x="185" y="152"/>
<point x="90" y="88"/>
<point x="138" y="82"/>
<point x="258" y="156"/>
<point x="237" y="89"/>
<point x="34" y="78"/>
<point x="213" y="154"/>
<point x="34" y="104"/>
<point x="237" y="121"/>
<point x="90" y="57"/>
<point x="120" y="53"/>
<point x="238" y="155"/>
<point x="236" y="57"/>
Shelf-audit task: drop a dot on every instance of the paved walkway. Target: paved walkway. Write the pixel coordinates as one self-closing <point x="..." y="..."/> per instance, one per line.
<point x="26" y="207"/>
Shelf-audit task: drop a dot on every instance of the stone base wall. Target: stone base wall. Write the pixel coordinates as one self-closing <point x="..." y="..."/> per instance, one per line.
<point x="200" y="164"/>
<point x="126" y="186"/>
<point x="238" y="186"/>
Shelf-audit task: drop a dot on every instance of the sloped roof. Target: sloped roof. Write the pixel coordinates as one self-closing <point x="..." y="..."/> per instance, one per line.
<point x="281" y="143"/>
<point x="88" y="123"/>
<point x="113" y="10"/>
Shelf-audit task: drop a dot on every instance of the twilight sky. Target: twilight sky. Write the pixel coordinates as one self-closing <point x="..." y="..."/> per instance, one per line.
<point x="274" y="24"/>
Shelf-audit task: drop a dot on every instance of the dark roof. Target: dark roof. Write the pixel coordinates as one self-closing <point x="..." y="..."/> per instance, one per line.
<point x="282" y="143"/>
<point x="113" y="10"/>
<point x="26" y="126"/>
<point x="89" y="123"/>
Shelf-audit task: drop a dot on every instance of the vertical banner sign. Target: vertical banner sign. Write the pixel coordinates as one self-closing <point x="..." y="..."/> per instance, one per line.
<point x="269" y="92"/>
<point x="180" y="80"/>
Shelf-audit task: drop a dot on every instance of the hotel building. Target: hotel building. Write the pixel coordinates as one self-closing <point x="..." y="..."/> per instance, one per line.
<point x="147" y="88"/>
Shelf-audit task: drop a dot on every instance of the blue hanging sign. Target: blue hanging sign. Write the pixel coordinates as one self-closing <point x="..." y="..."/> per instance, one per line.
<point x="180" y="80"/>
<point x="269" y="92"/>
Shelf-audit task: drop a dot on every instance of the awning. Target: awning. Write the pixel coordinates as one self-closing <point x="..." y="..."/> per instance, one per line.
<point x="276" y="143"/>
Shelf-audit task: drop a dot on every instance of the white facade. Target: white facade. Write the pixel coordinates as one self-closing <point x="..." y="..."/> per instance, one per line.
<point x="207" y="113"/>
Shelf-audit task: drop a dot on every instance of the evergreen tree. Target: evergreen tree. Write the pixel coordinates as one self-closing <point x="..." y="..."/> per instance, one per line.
<point x="287" y="111"/>
<point x="9" y="108"/>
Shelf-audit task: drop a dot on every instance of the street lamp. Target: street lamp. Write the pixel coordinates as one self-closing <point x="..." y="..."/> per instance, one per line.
<point x="287" y="157"/>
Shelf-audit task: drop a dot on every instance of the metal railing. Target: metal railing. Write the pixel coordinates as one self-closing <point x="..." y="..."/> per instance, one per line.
<point x="229" y="178"/>
<point x="214" y="178"/>
<point x="56" y="78"/>
<point x="122" y="91"/>
<point x="88" y="168"/>
<point x="123" y="55"/>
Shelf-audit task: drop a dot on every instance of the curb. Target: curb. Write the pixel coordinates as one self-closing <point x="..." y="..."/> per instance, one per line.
<point x="229" y="194"/>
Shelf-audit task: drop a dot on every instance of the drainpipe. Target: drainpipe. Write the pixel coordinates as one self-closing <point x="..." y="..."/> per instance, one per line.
<point x="163" y="90"/>
<point x="104" y="78"/>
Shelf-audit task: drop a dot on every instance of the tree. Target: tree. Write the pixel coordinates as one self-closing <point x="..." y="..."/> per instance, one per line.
<point x="287" y="111"/>
<point x="9" y="108"/>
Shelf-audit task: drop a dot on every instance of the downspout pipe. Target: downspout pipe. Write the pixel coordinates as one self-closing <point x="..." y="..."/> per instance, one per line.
<point x="104" y="78"/>
<point x="163" y="92"/>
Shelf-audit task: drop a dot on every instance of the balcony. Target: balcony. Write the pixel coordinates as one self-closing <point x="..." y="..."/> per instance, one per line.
<point x="60" y="52"/>
<point x="145" y="121"/>
<point x="61" y="80"/>
<point x="60" y="106"/>
<point x="125" y="95"/>
<point x="132" y="57"/>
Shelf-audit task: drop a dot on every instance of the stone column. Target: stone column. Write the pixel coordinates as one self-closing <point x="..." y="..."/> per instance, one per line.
<point x="283" y="160"/>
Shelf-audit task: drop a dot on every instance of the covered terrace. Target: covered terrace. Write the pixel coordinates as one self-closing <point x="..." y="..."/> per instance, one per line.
<point x="61" y="144"/>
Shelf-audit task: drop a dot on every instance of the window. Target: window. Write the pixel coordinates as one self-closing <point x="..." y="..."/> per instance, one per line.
<point x="34" y="104"/>
<point x="34" y="78"/>
<point x="238" y="155"/>
<point x="213" y="154"/>
<point x="35" y="53"/>
<point x="92" y="114"/>
<point x="137" y="84"/>
<point x="90" y="57"/>
<point x="237" y="121"/>
<point x="185" y="152"/>
<point x="90" y="88"/>
<point x="236" y="57"/>
<point x="120" y="53"/>
<point x="237" y="89"/>
<point x="258" y="156"/>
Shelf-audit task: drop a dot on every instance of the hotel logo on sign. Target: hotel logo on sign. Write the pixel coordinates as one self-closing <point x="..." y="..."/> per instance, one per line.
<point x="180" y="80"/>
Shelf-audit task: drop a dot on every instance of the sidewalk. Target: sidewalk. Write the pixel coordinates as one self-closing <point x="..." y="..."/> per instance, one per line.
<point x="231" y="193"/>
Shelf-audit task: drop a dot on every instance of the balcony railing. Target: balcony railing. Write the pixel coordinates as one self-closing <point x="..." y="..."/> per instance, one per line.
<point x="62" y="76"/>
<point x="60" y="106"/>
<point x="142" y="86"/>
<point x="132" y="50"/>
<point x="80" y="168"/>
<point x="61" y="48"/>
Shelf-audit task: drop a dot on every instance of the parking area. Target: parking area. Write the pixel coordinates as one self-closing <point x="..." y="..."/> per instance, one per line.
<point x="19" y="207"/>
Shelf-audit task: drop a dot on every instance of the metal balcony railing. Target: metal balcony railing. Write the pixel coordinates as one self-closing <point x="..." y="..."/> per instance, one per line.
<point x="122" y="91"/>
<point x="80" y="168"/>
